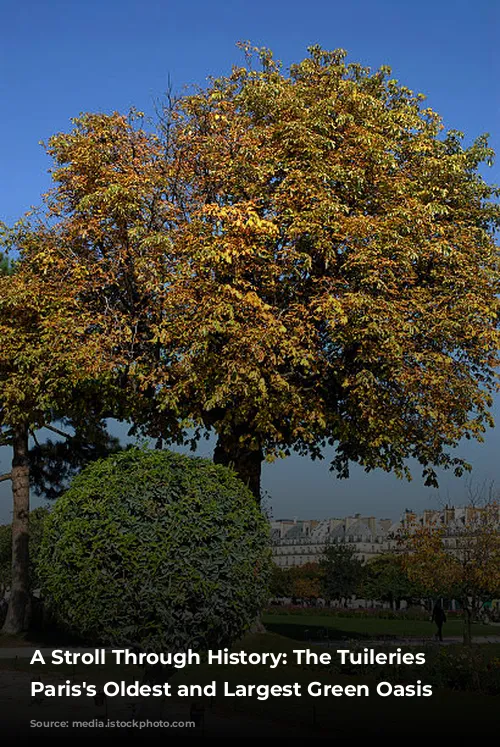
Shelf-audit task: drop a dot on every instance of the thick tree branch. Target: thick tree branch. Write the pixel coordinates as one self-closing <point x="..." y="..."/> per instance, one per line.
<point x="5" y="477"/>
<point x="33" y="435"/>
<point x="56" y="430"/>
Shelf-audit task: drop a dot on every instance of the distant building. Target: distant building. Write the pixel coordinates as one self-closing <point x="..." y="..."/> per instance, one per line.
<point x="450" y="517"/>
<point x="298" y="542"/>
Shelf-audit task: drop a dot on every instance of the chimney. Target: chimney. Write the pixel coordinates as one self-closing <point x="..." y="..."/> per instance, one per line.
<point x="470" y="514"/>
<point x="409" y="517"/>
<point x="449" y="515"/>
<point x="428" y="517"/>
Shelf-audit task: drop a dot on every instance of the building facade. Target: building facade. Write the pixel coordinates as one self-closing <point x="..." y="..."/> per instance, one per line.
<point x="297" y="542"/>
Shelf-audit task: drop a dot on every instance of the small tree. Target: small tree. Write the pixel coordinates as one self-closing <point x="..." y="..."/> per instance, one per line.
<point x="281" y="582"/>
<point x="306" y="581"/>
<point x="156" y="550"/>
<point x="387" y="580"/>
<point x="342" y="572"/>
<point x="460" y="561"/>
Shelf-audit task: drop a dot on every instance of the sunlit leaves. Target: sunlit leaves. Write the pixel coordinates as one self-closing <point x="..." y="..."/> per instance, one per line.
<point x="302" y="258"/>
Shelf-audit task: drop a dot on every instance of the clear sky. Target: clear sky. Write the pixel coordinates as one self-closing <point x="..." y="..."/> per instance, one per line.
<point x="58" y="59"/>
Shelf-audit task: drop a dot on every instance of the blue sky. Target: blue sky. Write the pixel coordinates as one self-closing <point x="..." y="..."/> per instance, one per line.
<point x="58" y="59"/>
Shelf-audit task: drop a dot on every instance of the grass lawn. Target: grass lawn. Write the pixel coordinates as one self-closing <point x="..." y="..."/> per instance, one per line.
<point x="307" y="627"/>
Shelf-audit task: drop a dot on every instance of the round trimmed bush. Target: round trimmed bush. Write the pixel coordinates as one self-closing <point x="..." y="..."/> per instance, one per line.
<point x="157" y="550"/>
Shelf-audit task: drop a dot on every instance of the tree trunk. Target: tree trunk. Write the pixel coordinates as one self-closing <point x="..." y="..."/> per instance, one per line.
<point x="17" y="613"/>
<point x="257" y="626"/>
<point x="247" y="463"/>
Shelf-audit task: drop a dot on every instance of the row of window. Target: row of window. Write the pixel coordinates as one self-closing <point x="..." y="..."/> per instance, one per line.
<point x="335" y="540"/>
<point x="319" y="549"/>
<point x="287" y="562"/>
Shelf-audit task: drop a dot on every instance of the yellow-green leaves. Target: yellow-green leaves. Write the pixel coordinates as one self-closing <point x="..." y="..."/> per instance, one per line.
<point x="303" y="257"/>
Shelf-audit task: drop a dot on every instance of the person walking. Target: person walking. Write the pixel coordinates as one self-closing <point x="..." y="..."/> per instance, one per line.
<point x="439" y="617"/>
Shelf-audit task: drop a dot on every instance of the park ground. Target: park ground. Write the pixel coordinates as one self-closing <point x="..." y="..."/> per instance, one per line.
<point x="317" y="627"/>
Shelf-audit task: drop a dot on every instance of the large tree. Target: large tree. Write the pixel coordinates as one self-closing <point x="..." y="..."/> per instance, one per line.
<point x="293" y="260"/>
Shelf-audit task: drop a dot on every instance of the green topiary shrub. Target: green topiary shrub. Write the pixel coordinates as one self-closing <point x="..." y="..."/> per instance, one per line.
<point x="157" y="550"/>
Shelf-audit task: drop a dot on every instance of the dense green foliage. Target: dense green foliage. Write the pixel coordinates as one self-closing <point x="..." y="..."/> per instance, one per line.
<point x="54" y="462"/>
<point x="340" y="575"/>
<point x="158" y="550"/>
<point x="4" y="265"/>
<point x="342" y="572"/>
<point x="299" y="582"/>
<point x="386" y="579"/>
<point x="37" y="520"/>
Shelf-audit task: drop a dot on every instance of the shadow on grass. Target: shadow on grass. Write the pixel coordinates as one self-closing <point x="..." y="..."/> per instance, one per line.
<point x="315" y="633"/>
<point x="52" y="637"/>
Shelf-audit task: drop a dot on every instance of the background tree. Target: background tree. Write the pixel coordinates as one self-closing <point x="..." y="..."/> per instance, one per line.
<point x="460" y="561"/>
<point x="342" y="573"/>
<point x="386" y="579"/>
<point x="5" y="265"/>
<point x="55" y="461"/>
<point x="298" y="582"/>
<point x="306" y="581"/>
<point x="294" y="260"/>
<point x="37" y="520"/>
<point x="280" y="583"/>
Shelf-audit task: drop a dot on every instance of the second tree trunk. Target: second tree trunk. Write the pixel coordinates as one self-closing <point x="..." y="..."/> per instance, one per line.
<point x="18" y="611"/>
<point x="246" y="462"/>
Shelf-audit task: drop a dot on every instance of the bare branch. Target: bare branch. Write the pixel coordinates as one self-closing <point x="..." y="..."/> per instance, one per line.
<point x="5" y="477"/>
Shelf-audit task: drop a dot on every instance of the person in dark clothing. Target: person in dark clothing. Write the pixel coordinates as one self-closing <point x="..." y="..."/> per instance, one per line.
<point x="439" y="618"/>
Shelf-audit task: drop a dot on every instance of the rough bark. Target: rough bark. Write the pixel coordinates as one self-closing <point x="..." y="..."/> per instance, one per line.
<point x="246" y="462"/>
<point x="19" y="601"/>
<point x="258" y="626"/>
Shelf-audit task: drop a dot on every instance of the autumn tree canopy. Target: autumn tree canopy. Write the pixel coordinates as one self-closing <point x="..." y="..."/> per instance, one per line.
<point x="290" y="259"/>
